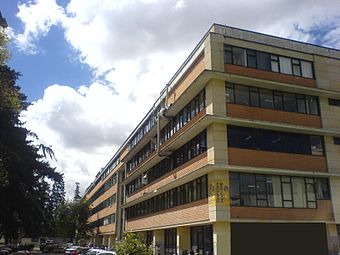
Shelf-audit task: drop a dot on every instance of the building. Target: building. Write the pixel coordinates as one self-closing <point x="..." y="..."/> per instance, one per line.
<point x="239" y="155"/>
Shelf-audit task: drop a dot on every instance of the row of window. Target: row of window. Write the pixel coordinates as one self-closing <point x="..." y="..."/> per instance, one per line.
<point x="148" y="124"/>
<point x="191" y="149"/>
<point x="108" y="184"/>
<point x="196" y="105"/>
<point x="271" y="99"/>
<point x="183" y="117"/>
<point x="268" y="140"/>
<point x="106" y="203"/>
<point x="110" y="168"/>
<point x="144" y="153"/>
<point x="277" y="191"/>
<point x="110" y="219"/>
<point x="268" y="62"/>
<point x="184" y="194"/>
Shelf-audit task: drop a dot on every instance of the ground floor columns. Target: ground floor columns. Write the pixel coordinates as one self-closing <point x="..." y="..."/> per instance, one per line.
<point x="332" y="239"/>
<point x="158" y="241"/>
<point x="222" y="238"/>
<point x="183" y="239"/>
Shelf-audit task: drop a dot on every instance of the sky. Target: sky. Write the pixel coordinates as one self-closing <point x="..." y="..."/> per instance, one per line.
<point x="92" y="69"/>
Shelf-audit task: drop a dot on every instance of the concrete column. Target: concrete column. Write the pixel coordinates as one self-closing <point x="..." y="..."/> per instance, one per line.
<point x="213" y="52"/>
<point x="105" y="240"/>
<point x="217" y="144"/>
<point x="222" y="238"/>
<point x="183" y="239"/>
<point x="215" y="98"/>
<point x="332" y="239"/>
<point x="158" y="241"/>
<point x="218" y="196"/>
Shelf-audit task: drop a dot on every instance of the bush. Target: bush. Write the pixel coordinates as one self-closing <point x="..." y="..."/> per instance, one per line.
<point x="132" y="245"/>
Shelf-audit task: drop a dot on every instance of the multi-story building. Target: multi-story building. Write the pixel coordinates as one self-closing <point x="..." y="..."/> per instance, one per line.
<point x="239" y="155"/>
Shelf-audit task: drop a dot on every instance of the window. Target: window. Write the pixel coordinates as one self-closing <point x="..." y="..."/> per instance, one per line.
<point x="278" y="100"/>
<point x="312" y="105"/>
<point x="201" y="239"/>
<point x="268" y="140"/>
<point x="251" y="58"/>
<point x="322" y="189"/>
<point x="268" y="62"/>
<point x="276" y="191"/>
<point x="254" y="97"/>
<point x="336" y="140"/>
<point x="274" y="61"/>
<point x="289" y="102"/>
<point x="263" y="61"/>
<point x="186" y="193"/>
<point x="230" y="93"/>
<point x="301" y="104"/>
<point x="296" y="67"/>
<point x="316" y="145"/>
<point x="334" y="102"/>
<point x="170" y="242"/>
<point x="239" y="56"/>
<point x="307" y="69"/>
<point x="266" y="98"/>
<point x="241" y="95"/>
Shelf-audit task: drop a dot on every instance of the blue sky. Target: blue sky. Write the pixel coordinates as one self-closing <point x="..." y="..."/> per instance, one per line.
<point x="56" y="61"/>
<point x="93" y="68"/>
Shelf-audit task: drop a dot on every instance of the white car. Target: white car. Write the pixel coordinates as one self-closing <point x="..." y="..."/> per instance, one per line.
<point x="94" y="251"/>
<point x="71" y="249"/>
<point x="107" y="253"/>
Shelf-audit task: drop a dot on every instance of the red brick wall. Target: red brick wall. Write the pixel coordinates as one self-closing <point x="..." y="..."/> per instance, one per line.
<point x="245" y="157"/>
<point x="267" y="75"/>
<point x="254" y="113"/>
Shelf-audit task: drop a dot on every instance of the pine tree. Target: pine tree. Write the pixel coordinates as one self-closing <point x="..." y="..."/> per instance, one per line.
<point x="24" y="173"/>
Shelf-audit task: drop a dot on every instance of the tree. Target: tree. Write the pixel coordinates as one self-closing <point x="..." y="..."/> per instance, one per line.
<point x="25" y="175"/>
<point x="132" y="244"/>
<point x="77" y="196"/>
<point x="72" y="220"/>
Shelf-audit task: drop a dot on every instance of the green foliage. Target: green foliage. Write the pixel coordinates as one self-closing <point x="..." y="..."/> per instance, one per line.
<point x="4" y="54"/>
<point x="132" y="244"/>
<point x="72" y="220"/>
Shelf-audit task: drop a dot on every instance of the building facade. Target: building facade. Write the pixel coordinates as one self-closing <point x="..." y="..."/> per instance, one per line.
<point x="239" y="155"/>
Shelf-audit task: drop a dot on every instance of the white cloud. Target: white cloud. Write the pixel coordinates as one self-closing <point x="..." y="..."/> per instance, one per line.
<point x="133" y="48"/>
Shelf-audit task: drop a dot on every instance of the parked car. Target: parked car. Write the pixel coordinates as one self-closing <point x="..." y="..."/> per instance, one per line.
<point x="107" y="253"/>
<point x="71" y="249"/>
<point x="94" y="251"/>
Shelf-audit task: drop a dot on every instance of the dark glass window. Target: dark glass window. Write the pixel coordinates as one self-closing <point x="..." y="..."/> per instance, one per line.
<point x="201" y="239"/>
<point x="254" y="97"/>
<point x="301" y="104"/>
<point x="170" y="242"/>
<point x="312" y="105"/>
<point x="334" y="102"/>
<point x="289" y="102"/>
<point x="278" y="100"/>
<point x="263" y="61"/>
<point x="239" y="56"/>
<point x="251" y="58"/>
<point x="230" y="93"/>
<point x="228" y="55"/>
<point x="241" y="95"/>
<point x="268" y="140"/>
<point x="336" y="140"/>
<point x="266" y="97"/>
<point x="322" y="189"/>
